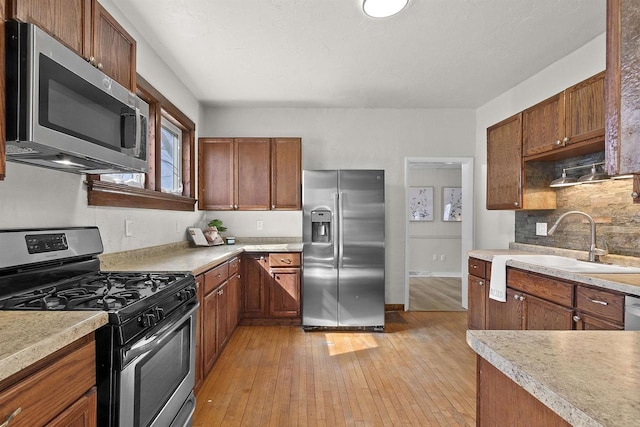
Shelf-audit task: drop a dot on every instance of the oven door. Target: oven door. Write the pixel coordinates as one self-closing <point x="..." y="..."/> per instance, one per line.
<point x="157" y="379"/>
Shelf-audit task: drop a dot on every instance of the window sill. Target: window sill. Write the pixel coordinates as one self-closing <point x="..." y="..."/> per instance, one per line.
<point x="100" y="193"/>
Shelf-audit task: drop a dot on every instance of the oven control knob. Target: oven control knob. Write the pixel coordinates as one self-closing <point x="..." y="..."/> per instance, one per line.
<point x="159" y="313"/>
<point x="147" y="320"/>
<point x="182" y="295"/>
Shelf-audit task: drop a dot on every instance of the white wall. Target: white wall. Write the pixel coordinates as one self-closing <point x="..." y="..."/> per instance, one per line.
<point x="37" y="197"/>
<point x="355" y="139"/>
<point x="495" y="229"/>
<point x="437" y="238"/>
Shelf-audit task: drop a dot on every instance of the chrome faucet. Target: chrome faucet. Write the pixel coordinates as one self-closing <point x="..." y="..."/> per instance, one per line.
<point x="593" y="251"/>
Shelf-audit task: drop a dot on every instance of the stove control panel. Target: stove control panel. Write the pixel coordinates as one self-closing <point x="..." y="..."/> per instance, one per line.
<point x="39" y="243"/>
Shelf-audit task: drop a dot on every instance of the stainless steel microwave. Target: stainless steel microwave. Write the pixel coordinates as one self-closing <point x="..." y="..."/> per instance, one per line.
<point x="63" y="113"/>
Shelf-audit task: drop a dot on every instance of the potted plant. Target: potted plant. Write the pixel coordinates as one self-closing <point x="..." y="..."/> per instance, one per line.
<point x="213" y="232"/>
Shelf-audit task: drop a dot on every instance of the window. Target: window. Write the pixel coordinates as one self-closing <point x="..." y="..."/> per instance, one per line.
<point x="169" y="182"/>
<point x="171" y="158"/>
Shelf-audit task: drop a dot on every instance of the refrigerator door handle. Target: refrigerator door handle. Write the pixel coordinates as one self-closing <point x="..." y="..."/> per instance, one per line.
<point x="336" y="254"/>
<point x="340" y="231"/>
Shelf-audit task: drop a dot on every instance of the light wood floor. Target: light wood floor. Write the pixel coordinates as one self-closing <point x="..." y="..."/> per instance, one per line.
<point x="435" y="294"/>
<point x="419" y="372"/>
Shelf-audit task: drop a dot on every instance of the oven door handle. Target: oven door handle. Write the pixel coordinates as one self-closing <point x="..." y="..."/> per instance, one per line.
<point x="143" y="346"/>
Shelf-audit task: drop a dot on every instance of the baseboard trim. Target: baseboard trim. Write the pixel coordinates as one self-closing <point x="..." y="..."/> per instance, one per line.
<point x="394" y="307"/>
<point x="436" y="274"/>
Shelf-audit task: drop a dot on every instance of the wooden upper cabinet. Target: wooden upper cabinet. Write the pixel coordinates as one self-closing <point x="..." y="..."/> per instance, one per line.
<point x="216" y="174"/>
<point x="253" y="181"/>
<point x="249" y="174"/>
<point x="114" y="49"/>
<point x="286" y="174"/>
<point x="88" y="29"/>
<point x="584" y="111"/>
<point x="69" y="21"/>
<point x="504" y="164"/>
<point x="543" y="126"/>
<point x="622" y="91"/>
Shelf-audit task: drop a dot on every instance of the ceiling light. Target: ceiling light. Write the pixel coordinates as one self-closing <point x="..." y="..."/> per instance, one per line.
<point x="383" y="8"/>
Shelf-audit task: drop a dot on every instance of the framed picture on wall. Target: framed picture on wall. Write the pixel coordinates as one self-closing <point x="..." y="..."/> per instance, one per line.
<point x="421" y="204"/>
<point x="451" y="204"/>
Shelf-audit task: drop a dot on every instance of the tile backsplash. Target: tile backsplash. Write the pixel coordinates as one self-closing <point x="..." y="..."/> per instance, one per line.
<point x="609" y="203"/>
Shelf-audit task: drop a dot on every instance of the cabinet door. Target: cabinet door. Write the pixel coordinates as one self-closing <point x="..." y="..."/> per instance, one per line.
<point x="209" y="314"/>
<point x="545" y="315"/>
<point x="586" y="322"/>
<point x="506" y="315"/>
<point x="83" y="413"/>
<point x="477" y="303"/>
<point x="69" y="21"/>
<point x="233" y="303"/>
<point x="286" y="174"/>
<point x="113" y="48"/>
<point x="253" y="181"/>
<point x="254" y="269"/>
<point x="222" y="332"/>
<point x="584" y="111"/>
<point x="199" y="327"/>
<point x="543" y="126"/>
<point x="504" y="164"/>
<point x="284" y="293"/>
<point x="215" y="174"/>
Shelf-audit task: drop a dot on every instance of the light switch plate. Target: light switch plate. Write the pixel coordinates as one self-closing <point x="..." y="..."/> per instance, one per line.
<point x="541" y="228"/>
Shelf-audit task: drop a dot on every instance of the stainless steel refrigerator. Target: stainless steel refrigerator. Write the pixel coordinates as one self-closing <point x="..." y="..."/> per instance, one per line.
<point x="343" y="253"/>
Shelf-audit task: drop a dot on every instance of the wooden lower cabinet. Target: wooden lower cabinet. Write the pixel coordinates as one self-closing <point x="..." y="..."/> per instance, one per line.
<point x="271" y="288"/>
<point x="59" y="391"/>
<point x="209" y="343"/>
<point x="506" y="315"/>
<point x="502" y="402"/>
<point x="587" y="322"/>
<point x="222" y="302"/>
<point x="478" y="300"/>
<point x="545" y="315"/>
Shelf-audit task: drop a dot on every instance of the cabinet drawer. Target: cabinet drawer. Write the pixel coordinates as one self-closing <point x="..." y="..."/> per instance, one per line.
<point x="543" y="287"/>
<point x="216" y="276"/>
<point x="284" y="260"/>
<point x="234" y="266"/>
<point x="600" y="303"/>
<point x="477" y="267"/>
<point x="41" y="396"/>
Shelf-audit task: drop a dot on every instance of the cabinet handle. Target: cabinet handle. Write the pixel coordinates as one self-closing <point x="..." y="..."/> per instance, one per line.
<point x="595" y="301"/>
<point x="273" y="206"/>
<point x="558" y="142"/>
<point x="475" y="267"/>
<point x="230" y="206"/>
<point x="576" y="318"/>
<point x="235" y="206"/>
<point x="11" y="417"/>
<point x="480" y="283"/>
<point x="516" y="204"/>
<point x="565" y="139"/>
<point x="515" y="297"/>
<point x="91" y="60"/>
<point x="518" y="297"/>
<point x="286" y="261"/>
<point x="635" y="194"/>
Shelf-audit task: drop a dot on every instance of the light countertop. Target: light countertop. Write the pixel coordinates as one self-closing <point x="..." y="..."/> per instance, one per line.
<point x="589" y="378"/>
<point x="623" y="282"/>
<point x="196" y="260"/>
<point x="29" y="336"/>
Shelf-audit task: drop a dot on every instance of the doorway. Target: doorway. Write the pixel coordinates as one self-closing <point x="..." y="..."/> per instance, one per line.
<point x="437" y="237"/>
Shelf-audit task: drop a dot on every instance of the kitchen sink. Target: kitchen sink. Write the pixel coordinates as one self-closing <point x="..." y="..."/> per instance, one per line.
<point x="574" y="265"/>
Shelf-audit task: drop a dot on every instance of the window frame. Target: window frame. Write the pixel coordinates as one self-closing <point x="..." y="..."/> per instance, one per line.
<point x="102" y="193"/>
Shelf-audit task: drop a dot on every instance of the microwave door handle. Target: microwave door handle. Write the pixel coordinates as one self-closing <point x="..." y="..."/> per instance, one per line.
<point x="138" y="147"/>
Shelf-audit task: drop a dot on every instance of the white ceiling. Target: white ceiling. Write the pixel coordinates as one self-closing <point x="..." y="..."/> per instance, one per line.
<point x="326" y="53"/>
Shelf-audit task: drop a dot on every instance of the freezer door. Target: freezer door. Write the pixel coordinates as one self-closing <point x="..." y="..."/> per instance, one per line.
<point x="361" y="248"/>
<point x="319" y="263"/>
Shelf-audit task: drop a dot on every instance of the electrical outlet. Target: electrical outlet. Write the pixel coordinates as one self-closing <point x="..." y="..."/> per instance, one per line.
<point x="443" y="257"/>
<point x="541" y="228"/>
<point x="128" y="227"/>
<point x="435" y="257"/>
<point x="259" y="225"/>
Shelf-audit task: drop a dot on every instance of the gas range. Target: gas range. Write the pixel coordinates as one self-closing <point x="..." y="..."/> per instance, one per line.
<point x="145" y="355"/>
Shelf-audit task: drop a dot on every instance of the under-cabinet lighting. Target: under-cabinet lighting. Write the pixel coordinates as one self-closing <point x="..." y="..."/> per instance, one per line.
<point x="592" y="177"/>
